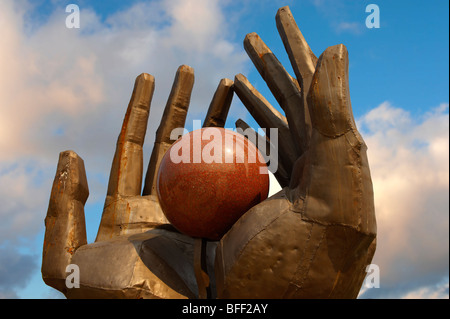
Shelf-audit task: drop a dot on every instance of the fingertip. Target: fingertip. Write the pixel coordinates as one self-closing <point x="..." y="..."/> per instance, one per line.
<point x="226" y="82"/>
<point x="338" y="53"/>
<point x="250" y="35"/>
<point x="146" y="77"/>
<point x="185" y="69"/>
<point x="239" y="77"/>
<point x="283" y="11"/>
<point x="217" y="113"/>
<point x="68" y="153"/>
<point x="254" y="43"/>
<point x="71" y="177"/>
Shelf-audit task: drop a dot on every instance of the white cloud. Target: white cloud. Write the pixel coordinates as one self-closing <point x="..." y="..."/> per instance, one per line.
<point x="24" y="194"/>
<point x="439" y="291"/>
<point x="65" y="77"/>
<point x="338" y="15"/>
<point x="409" y="163"/>
<point x="15" y="271"/>
<point x="69" y="88"/>
<point x="352" y="27"/>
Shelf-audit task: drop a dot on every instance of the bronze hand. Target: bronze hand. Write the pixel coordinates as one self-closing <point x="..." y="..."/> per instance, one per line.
<point x="314" y="238"/>
<point x="137" y="254"/>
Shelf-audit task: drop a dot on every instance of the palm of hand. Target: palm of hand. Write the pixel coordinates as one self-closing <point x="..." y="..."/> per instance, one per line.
<point x="313" y="239"/>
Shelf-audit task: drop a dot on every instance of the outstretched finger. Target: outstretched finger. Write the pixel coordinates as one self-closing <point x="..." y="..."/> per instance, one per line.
<point x="125" y="179"/>
<point x="302" y="58"/>
<point x="282" y="86"/>
<point x="127" y="167"/>
<point x="174" y="117"/>
<point x="220" y="104"/>
<point x="268" y="117"/>
<point x="65" y="228"/>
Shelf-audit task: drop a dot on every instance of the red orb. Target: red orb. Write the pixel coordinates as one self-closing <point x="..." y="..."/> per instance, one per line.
<point x="208" y="179"/>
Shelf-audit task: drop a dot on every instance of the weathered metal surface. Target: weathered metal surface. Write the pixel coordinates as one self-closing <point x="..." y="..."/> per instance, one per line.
<point x="174" y="116"/>
<point x="313" y="239"/>
<point x="220" y="104"/>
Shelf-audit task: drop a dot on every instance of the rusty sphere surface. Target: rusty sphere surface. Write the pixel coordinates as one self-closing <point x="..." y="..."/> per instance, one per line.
<point x="208" y="179"/>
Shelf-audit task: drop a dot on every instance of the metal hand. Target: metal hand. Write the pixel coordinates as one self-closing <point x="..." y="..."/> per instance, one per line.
<point x="314" y="238"/>
<point x="137" y="254"/>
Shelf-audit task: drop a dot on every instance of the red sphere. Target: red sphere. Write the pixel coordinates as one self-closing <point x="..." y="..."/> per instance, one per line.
<point x="208" y="179"/>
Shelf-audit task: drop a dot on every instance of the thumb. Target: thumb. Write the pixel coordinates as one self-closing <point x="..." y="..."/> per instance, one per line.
<point x="329" y="96"/>
<point x="65" y="228"/>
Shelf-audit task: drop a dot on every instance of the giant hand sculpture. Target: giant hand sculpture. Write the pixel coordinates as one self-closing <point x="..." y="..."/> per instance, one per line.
<point x="313" y="239"/>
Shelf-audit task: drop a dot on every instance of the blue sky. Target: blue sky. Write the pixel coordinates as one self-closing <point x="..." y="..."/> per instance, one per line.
<point x="68" y="89"/>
